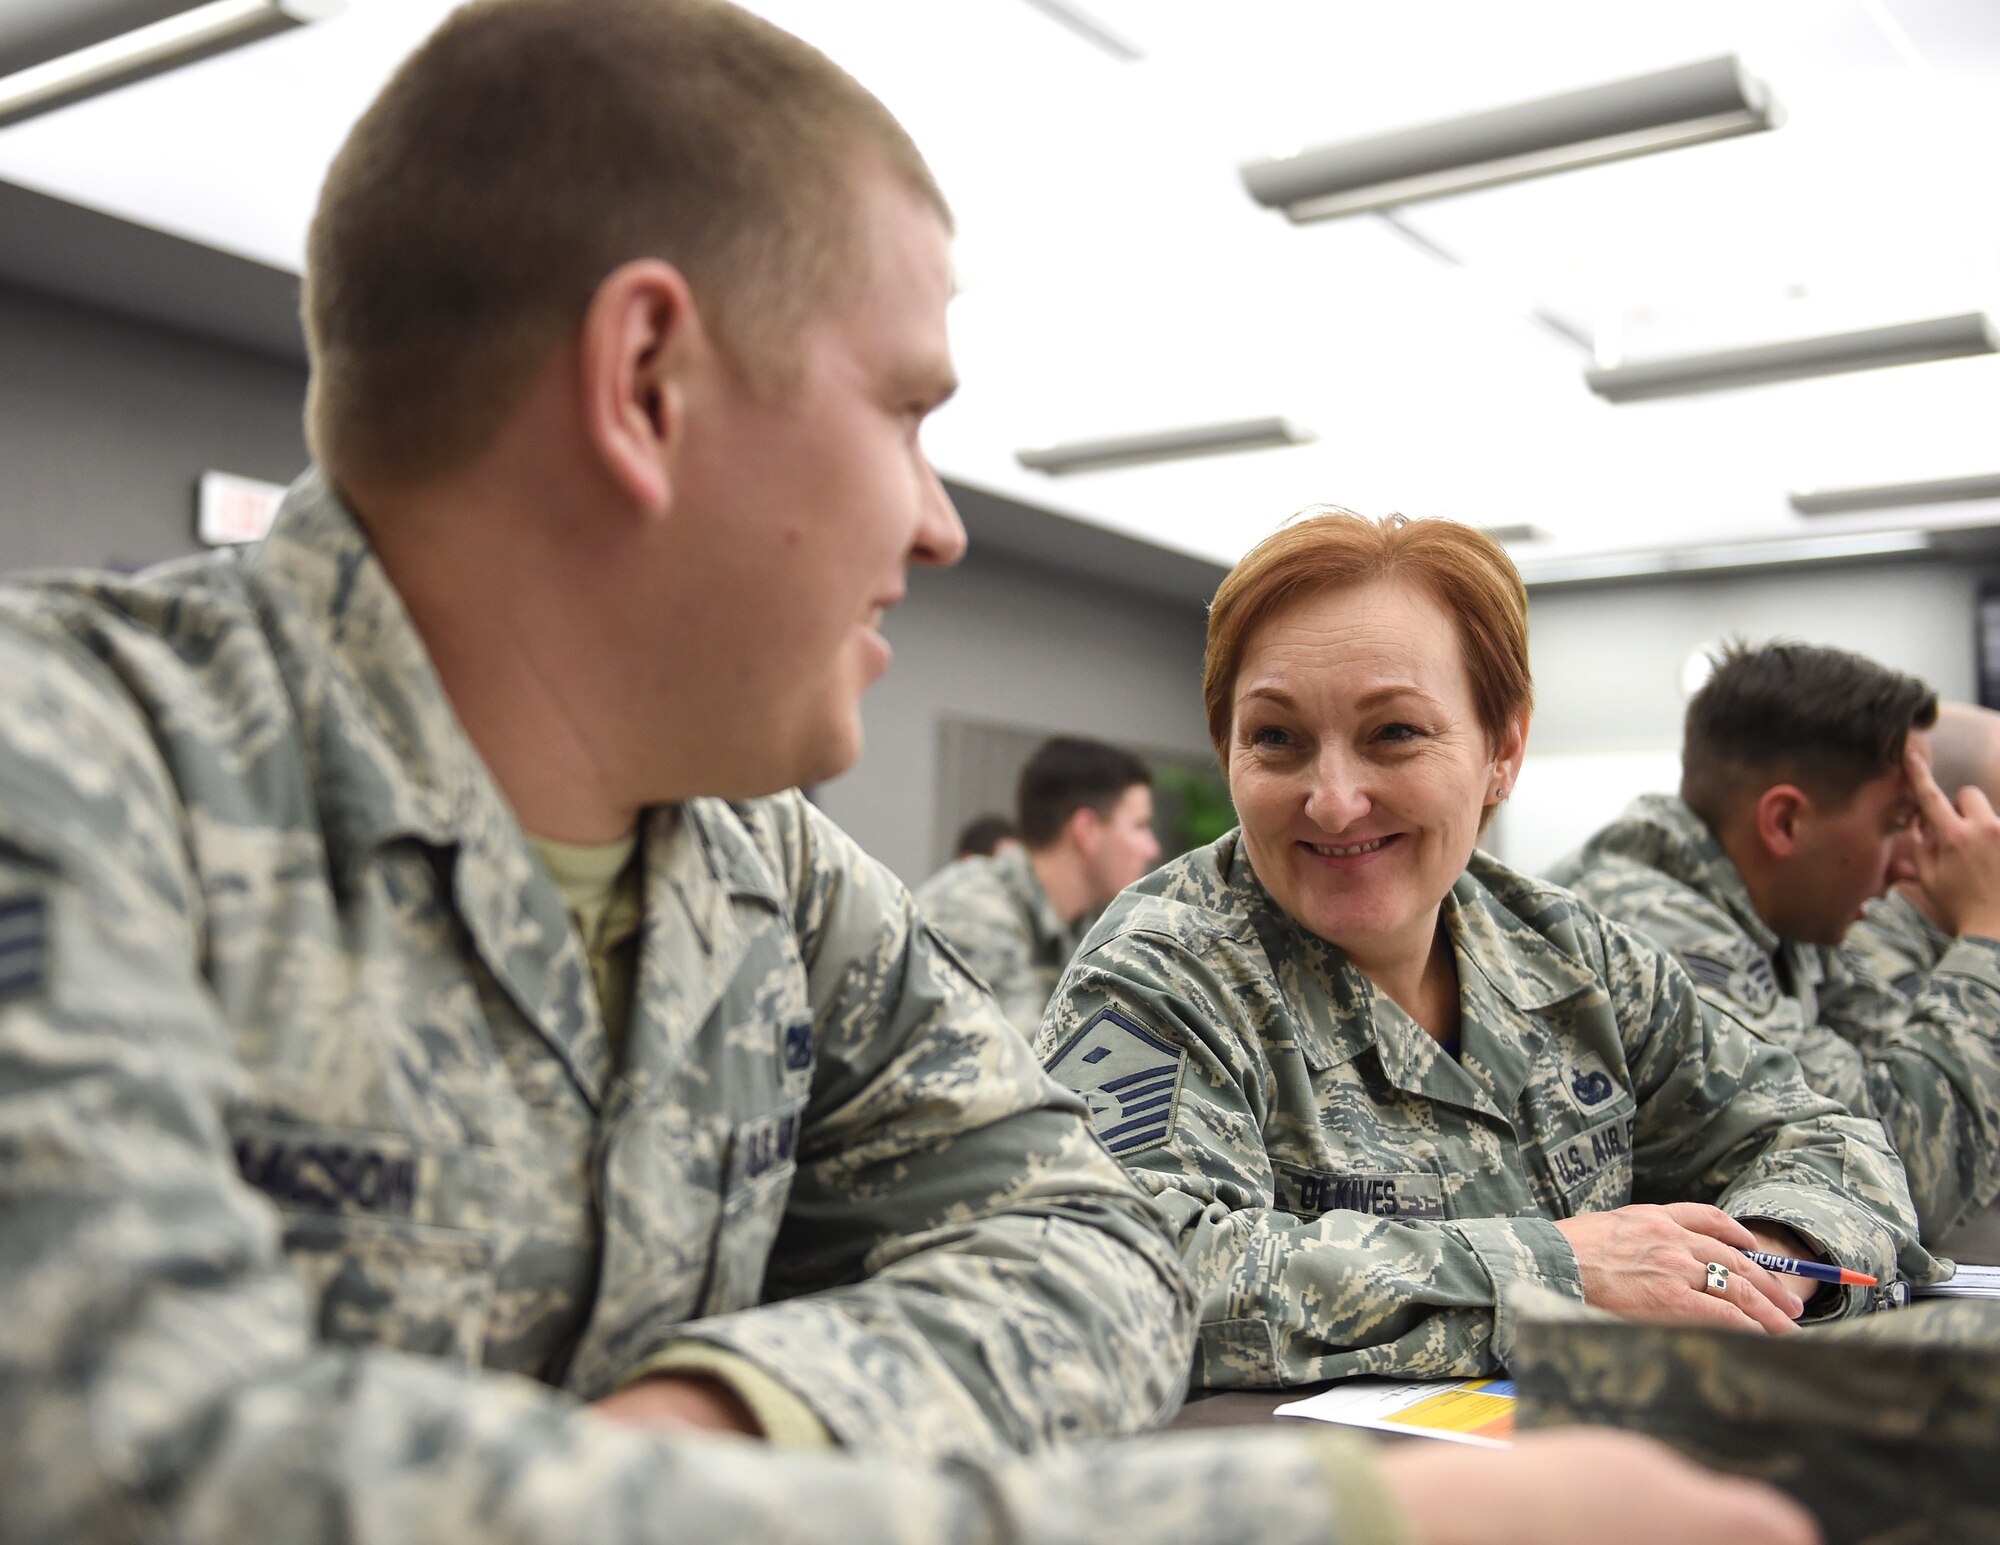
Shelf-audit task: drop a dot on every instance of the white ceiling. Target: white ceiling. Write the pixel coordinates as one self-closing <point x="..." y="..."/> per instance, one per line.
<point x="1115" y="277"/>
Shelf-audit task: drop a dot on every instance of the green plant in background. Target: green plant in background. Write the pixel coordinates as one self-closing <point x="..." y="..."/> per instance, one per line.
<point x="1197" y="808"/>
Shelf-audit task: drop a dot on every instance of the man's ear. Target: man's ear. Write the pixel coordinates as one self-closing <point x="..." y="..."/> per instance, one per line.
<point x="1781" y="809"/>
<point x="639" y="332"/>
<point x="1083" y="828"/>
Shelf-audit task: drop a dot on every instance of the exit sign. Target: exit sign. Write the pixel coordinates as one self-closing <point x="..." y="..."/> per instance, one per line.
<point x="231" y="509"/>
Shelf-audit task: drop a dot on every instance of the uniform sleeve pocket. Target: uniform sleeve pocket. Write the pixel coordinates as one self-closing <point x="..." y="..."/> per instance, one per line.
<point x="1236" y="1354"/>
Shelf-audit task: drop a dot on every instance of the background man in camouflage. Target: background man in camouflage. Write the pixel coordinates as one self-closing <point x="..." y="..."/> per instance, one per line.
<point x="1804" y="793"/>
<point x="1086" y="814"/>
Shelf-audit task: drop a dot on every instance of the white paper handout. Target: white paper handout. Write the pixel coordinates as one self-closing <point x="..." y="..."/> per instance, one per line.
<point x="1478" y="1411"/>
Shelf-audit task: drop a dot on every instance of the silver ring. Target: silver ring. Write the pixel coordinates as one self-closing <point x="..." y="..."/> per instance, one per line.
<point x="1718" y="1278"/>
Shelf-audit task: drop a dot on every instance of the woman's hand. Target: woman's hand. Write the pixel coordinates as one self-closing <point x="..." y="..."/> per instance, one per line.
<point x="1651" y="1263"/>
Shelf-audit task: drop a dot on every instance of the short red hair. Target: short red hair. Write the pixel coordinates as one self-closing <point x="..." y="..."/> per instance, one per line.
<point x="1465" y="571"/>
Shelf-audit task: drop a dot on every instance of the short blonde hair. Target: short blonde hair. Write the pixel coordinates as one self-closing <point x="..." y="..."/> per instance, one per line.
<point x="531" y="147"/>
<point x="1465" y="571"/>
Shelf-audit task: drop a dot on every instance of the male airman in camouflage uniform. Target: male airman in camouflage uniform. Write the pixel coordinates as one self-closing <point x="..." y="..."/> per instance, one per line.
<point x="1086" y="816"/>
<point x="1927" y="1063"/>
<point x="313" y="1106"/>
<point x="1351" y="1199"/>
<point x="994" y="912"/>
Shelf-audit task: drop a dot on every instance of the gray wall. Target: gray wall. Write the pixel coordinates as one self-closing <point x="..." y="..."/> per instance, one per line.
<point x="1608" y="660"/>
<point x="106" y="423"/>
<point x="1000" y="639"/>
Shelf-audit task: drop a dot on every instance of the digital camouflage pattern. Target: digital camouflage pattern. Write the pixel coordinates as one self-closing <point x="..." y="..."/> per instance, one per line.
<point x="1350" y="1199"/>
<point x="1927" y="1065"/>
<point x="994" y="912"/>
<point x="308" y="1114"/>
<point x="1884" y="1428"/>
<point x="1896" y="944"/>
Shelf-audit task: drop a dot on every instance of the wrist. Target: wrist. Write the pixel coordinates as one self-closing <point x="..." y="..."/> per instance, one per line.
<point x="679" y="1400"/>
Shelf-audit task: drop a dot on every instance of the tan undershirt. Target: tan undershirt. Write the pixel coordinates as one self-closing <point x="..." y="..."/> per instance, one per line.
<point x="604" y="894"/>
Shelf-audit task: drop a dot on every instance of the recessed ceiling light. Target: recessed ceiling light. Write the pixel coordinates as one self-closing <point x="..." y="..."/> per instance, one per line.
<point x="1713" y="99"/>
<point x="45" y="68"/>
<point x="1248" y="434"/>
<point x="1871" y="348"/>
<point x="1888" y="496"/>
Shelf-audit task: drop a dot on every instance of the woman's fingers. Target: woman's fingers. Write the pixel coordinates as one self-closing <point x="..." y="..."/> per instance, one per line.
<point x="1700" y="1218"/>
<point x="1750" y="1297"/>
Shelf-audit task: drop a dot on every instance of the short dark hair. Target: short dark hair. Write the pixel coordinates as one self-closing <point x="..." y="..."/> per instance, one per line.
<point x="983" y="833"/>
<point x="1068" y="774"/>
<point x="1824" y="719"/>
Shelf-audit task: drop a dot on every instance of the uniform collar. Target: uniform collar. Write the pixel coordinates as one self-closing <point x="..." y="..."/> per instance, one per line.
<point x="392" y="762"/>
<point x="1017" y="872"/>
<point x="1500" y="951"/>
<point x="1663" y="833"/>
<point x="391" y="759"/>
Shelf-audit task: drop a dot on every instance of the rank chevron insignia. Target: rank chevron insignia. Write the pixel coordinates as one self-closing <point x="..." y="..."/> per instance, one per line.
<point x="1128" y="1077"/>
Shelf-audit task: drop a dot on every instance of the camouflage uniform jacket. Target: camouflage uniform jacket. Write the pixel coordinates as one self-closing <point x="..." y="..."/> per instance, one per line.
<point x="301" y="1074"/>
<point x="1896" y="944"/>
<point x="1928" y="1066"/>
<point x="1351" y="1199"/>
<point x="994" y="912"/>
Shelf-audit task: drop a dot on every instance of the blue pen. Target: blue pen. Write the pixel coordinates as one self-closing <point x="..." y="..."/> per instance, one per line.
<point x="1814" y="1269"/>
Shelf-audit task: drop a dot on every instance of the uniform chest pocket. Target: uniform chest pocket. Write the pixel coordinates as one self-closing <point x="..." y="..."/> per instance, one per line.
<point x="354" y="1208"/>
<point x="402" y="1286"/>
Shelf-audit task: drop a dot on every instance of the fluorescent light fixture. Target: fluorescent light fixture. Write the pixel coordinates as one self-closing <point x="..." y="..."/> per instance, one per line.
<point x="127" y="41"/>
<point x="1090" y="28"/>
<point x="1713" y="99"/>
<point x="1653" y="563"/>
<point x="1249" y="434"/>
<point x="1889" y="496"/>
<point x="1871" y="348"/>
<point x="1508" y="536"/>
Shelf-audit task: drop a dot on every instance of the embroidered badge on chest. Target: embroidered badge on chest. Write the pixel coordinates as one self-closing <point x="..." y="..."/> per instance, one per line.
<point x="1129" y="1077"/>
<point x="1590" y="1088"/>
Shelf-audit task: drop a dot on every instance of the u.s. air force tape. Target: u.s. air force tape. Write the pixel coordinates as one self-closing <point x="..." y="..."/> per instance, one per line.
<point x="1129" y="1078"/>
